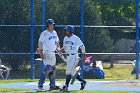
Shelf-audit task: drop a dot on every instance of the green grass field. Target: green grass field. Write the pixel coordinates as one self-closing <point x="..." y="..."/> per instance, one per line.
<point x="119" y="71"/>
<point x="13" y="90"/>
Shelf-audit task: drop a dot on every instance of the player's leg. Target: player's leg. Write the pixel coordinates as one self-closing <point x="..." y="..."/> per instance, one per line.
<point x="7" y="72"/>
<point x="83" y="82"/>
<point x="78" y="77"/>
<point x="68" y="78"/>
<point x="46" y="71"/>
<point x="133" y="71"/>
<point x="52" y="84"/>
<point x="73" y="67"/>
<point x="1" y="73"/>
<point x="41" y="80"/>
<point x="51" y="75"/>
<point x="68" y="73"/>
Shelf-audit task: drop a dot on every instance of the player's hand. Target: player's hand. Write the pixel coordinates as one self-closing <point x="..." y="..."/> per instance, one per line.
<point x="83" y="57"/>
<point x="37" y="50"/>
<point x="41" y="55"/>
<point x="61" y="50"/>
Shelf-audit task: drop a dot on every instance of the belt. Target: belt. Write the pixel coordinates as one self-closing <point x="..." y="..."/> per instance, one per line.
<point x="71" y="54"/>
<point x="48" y="51"/>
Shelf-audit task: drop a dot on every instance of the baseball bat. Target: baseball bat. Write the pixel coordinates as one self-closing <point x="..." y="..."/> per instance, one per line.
<point x="61" y="55"/>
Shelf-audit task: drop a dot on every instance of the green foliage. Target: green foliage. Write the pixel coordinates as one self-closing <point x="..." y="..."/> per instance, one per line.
<point x="117" y="12"/>
<point x="14" y="11"/>
<point x="64" y="12"/>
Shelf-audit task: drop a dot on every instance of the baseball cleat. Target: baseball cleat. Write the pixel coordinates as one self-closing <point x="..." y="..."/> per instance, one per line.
<point x="40" y="86"/>
<point x="54" y="87"/>
<point x="83" y="85"/>
<point x="65" y="88"/>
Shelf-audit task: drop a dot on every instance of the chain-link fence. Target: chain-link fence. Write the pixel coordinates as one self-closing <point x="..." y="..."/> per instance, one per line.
<point x="109" y="33"/>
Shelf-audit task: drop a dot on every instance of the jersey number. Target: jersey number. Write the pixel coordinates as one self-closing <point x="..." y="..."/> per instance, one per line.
<point x="70" y="47"/>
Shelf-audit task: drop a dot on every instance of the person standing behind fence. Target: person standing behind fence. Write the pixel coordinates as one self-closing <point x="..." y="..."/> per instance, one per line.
<point x="47" y="44"/>
<point x="134" y="67"/>
<point x="71" y="45"/>
<point x="4" y="69"/>
<point x="97" y="72"/>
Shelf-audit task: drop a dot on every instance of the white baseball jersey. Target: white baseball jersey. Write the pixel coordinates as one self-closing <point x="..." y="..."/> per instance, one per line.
<point x="71" y="44"/>
<point x="48" y="40"/>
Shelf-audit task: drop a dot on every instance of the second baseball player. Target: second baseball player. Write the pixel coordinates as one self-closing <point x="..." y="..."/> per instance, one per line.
<point x="71" y="45"/>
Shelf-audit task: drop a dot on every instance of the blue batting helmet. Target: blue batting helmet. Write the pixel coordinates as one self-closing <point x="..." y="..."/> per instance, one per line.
<point x="50" y="21"/>
<point x="69" y="28"/>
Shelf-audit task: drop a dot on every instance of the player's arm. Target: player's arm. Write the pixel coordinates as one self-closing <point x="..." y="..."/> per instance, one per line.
<point x="57" y="46"/>
<point x="63" y="49"/>
<point x="83" y="51"/>
<point x="40" y="50"/>
<point x="60" y="51"/>
<point x="82" y="48"/>
<point x="40" y="45"/>
<point x="57" y="42"/>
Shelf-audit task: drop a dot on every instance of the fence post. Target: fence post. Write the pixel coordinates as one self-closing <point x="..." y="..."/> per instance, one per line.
<point x="32" y="39"/>
<point x="43" y="15"/>
<point x="43" y="25"/>
<point x="137" y="39"/>
<point x="82" y="31"/>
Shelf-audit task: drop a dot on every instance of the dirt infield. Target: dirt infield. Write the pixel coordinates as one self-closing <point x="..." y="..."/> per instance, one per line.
<point x="129" y="83"/>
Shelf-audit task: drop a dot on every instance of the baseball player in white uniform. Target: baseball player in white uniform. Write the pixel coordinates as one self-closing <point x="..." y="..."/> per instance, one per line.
<point x="71" y="45"/>
<point x="5" y="70"/>
<point x="47" y="44"/>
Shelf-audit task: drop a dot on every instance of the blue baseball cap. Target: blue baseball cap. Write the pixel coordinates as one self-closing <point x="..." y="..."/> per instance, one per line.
<point x="69" y="28"/>
<point x="50" y="21"/>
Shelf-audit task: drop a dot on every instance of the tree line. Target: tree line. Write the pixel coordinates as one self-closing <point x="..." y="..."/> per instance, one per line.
<point x="64" y="12"/>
